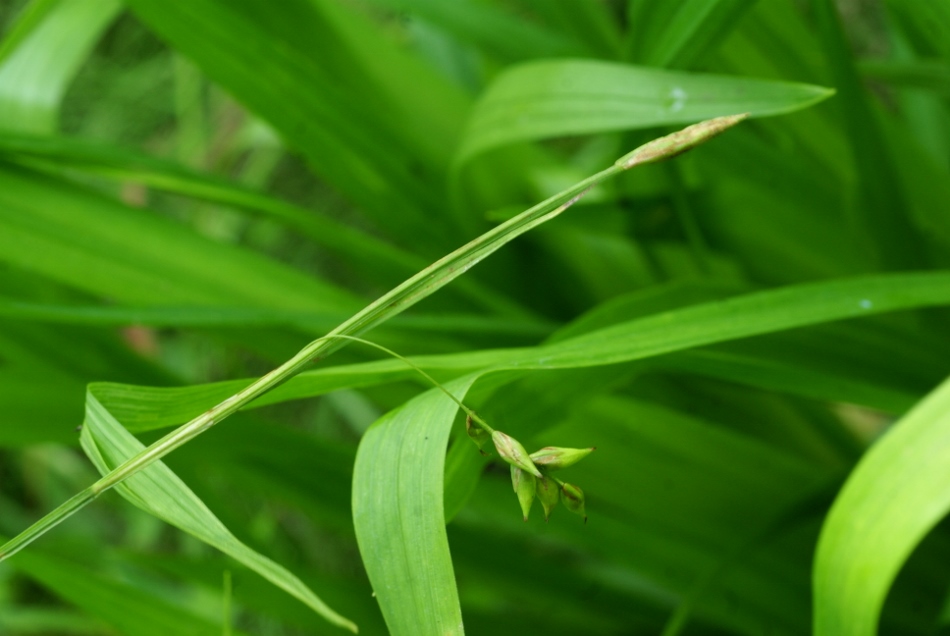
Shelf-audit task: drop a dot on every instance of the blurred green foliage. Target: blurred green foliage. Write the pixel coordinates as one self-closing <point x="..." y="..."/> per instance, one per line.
<point x="192" y="191"/>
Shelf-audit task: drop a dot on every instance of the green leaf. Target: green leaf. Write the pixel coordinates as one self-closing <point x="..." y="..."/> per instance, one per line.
<point x="540" y="100"/>
<point x="399" y="518"/>
<point x="168" y="316"/>
<point x="29" y="18"/>
<point x="158" y="491"/>
<point x="764" y="312"/>
<point x="55" y="41"/>
<point x="147" y="408"/>
<point x="898" y="492"/>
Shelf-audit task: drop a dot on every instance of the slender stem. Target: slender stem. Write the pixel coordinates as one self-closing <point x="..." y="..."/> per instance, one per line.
<point x="472" y="414"/>
<point x="48" y="522"/>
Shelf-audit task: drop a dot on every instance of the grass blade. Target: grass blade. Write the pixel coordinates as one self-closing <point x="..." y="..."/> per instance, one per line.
<point x="35" y="75"/>
<point x="544" y="99"/>
<point x="29" y="18"/>
<point x="399" y="517"/>
<point x="898" y="492"/>
<point x="158" y="491"/>
<point x="148" y="408"/>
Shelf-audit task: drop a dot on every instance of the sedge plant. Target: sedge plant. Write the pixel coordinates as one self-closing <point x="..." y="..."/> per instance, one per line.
<point x="414" y="289"/>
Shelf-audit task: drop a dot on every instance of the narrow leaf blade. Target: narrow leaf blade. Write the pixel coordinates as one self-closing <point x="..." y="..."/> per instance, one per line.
<point x="545" y="99"/>
<point x="399" y="518"/>
<point x="898" y="492"/>
<point x="158" y="491"/>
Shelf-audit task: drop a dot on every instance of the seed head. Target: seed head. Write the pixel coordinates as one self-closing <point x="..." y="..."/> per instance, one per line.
<point x="574" y="499"/>
<point x="524" y="486"/>
<point x="679" y="142"/>
<point x="514" y="453"/>
<point x="476" y="433"/>
<point x="555" y="458"/>
<point x="548" y="493"/>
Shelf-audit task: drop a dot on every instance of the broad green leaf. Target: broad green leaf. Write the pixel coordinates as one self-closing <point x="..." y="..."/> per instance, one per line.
<point x="34" y="76"/>
<point x="540" y="100"/>
<point x="399" y="519"/>
<point x="159" y="492"/>
<point x="899" y="491"/>
<point x="147" y="408"/>
<point x="643" y="302"/>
